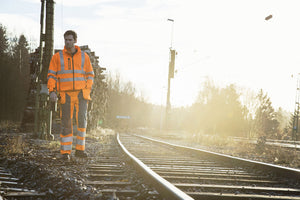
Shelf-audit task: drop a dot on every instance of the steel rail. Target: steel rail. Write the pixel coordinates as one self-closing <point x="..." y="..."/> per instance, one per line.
<point x="278" y="170"/>
<point x="162" y="185"/>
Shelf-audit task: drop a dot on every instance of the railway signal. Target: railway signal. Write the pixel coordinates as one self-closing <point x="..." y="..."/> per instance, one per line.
<point x="172" y="63"/>
<point x="170" y="75"/>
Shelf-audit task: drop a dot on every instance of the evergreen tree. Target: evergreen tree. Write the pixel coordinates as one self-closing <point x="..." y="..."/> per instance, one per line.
<point x="266" y="123"/>
<point x="14" y="80"/>
<point x="217" y="111"/>
<point x="4" y="70"/>
<point x="21" y="59"/>
<point x="283" y="118"/>
<point x="233" y="115"/>
<point x="21" y="55"/>
<point x="3" y="43"/>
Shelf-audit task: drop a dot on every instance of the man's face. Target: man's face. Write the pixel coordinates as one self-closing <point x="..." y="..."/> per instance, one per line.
<point x="69" y="41"/>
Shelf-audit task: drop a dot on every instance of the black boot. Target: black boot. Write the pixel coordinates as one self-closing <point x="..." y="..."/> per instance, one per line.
<point x="80" y="154"/>
<point x="65" y="157"/>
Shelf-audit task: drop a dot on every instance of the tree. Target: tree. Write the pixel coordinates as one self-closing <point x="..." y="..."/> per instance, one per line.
<point x="3" y="43"/>
<point x="217" y="111"/>
<point x="207" y="104"/>
<point x="293" y="126"/>
<point x="249" y="100"/>
<point x="266" y="124"/>
<point x="124" y="101"/>
<point x="283" y="118"/>
<point x="21" y="55"/>
<point x="233" y="113"/>
<point x="98" y="105"/>
<point x="14" y="80"/>
<point x="3" y="69"/>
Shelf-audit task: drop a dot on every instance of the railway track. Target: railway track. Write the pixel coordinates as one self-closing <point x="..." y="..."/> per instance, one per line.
<point x="12" y="188"/>
<point x="106" y="175"/>
<point x="169" y="172"/>
<point x="206" y="175"/>
<point x="112" y="175"/>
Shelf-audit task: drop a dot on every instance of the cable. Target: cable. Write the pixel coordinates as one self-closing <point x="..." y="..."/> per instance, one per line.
<point x="193" y="63"/>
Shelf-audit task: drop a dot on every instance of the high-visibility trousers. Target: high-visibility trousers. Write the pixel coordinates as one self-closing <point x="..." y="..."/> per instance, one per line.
<point x="69" y="101"/>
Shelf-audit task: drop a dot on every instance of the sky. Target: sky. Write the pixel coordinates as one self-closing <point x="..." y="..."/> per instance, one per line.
<point x="228" y="42"/>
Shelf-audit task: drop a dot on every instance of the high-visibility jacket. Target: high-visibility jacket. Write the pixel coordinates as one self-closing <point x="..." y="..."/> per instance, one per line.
<point x="69" y="72"/>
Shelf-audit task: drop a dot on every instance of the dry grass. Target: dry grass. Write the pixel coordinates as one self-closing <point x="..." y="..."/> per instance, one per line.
<point x="226" y="145"/>
<point x="261" y="152"/>
<point x="6" y="126"/>
<point x="52" y="145"/>
<point x="14" y="145"/>
<point x="283" y="156"/>
<point x="100" y="134"/>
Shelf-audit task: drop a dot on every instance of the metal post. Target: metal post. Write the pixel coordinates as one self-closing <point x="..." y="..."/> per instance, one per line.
<point x="296" y="112"/>
<point x="37" y="102"/>
<point x="168" y="103"/>
<point x="43" y="113"/>
<point x="49" y="39"/>
<point x="172" y="30"/>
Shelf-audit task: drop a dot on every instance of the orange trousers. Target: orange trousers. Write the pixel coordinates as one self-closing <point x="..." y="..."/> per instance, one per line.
<point x="69" y="101"/>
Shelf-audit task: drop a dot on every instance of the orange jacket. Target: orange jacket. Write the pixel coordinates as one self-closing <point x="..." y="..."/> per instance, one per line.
<point x="70" y="73"/>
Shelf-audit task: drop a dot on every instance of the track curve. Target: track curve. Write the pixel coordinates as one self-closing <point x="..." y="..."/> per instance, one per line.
<point x="207" y="175"/>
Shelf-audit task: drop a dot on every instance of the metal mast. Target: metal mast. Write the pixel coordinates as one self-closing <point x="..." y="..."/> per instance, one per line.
<point x="43" y="113"/>
<point x="170" y="75"/>
<point x="296" y="112"/>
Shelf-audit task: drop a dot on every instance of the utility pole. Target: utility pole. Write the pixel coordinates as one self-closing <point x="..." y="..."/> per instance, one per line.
<point x="49" y="39"/>
<point x="43" y="113"/>
<point x="170" y="75"/>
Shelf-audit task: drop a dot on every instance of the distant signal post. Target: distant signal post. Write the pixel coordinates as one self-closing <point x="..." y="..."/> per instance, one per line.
<point x="170" y="75"/>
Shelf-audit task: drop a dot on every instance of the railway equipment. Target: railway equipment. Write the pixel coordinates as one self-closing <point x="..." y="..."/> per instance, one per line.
<point x="12" y="188"/>
<point x="207" y="175"/>
<point x="136" y="167"/>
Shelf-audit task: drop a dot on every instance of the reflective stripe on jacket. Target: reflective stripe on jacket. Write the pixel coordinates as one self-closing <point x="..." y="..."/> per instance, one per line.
<point x="69" y="73"/>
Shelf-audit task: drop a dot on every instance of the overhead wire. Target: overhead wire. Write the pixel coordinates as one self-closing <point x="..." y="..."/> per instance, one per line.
<point x="190" y="66"/>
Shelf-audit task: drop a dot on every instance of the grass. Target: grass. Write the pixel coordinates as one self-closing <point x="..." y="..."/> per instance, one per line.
<point x="6" y="125"/>
<point x="52" y="145"/>
<point x="261" y="151"/>
<point x="100" y="133"/>
<point x="14" y="145"/>
<point x="226" y="145"/>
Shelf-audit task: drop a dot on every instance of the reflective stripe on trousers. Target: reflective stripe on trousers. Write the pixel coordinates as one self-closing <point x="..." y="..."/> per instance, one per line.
<point x="73" y="99"/>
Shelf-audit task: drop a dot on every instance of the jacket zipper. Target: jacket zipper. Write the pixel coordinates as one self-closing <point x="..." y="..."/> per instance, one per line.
<point x="73" y="73"/>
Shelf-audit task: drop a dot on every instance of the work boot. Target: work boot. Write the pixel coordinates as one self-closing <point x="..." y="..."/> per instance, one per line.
<point x="80" y="154"/>
<point x="65" y="157"/>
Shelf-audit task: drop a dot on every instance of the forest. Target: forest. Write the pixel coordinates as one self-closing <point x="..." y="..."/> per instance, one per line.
<point x="227" y="110"/>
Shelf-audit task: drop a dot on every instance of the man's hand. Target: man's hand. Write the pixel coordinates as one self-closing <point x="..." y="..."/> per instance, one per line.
<point x="53" y="97"/>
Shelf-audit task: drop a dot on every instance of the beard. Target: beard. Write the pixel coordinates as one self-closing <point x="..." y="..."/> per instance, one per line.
<point x="69" y="46"/>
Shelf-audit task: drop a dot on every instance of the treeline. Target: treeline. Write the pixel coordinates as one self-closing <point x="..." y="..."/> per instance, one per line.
<point x="221" y="111"/>
<point x="218" y="110"/>
<point x="127" y="109"/>
<point x="14" y="75"/>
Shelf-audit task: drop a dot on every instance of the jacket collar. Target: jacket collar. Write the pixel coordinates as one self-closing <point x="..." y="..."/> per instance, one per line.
<point x="78" y="50"/>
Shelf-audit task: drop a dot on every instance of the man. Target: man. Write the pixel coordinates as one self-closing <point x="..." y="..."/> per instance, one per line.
<point x="71" y="75"/>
